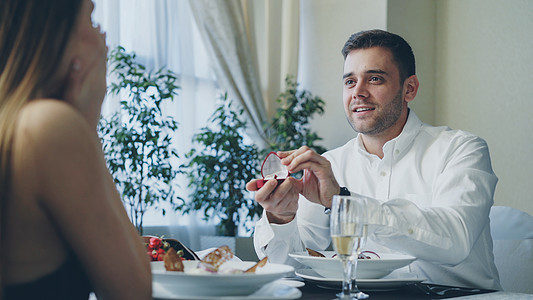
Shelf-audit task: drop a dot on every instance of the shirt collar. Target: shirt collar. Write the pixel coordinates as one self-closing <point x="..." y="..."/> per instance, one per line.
<point x="402" y="141"/>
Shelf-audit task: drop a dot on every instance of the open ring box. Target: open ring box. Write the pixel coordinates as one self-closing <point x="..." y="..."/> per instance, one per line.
<point x="272" y="168"/>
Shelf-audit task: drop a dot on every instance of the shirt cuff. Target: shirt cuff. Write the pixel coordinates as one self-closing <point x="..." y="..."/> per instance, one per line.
<point x="274" y="240"/>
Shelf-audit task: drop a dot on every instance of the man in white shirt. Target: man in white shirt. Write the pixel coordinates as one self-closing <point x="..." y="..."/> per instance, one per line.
<point x="431" y="187"/>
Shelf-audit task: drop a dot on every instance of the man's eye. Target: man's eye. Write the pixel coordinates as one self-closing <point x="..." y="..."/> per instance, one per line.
<point x="349" y="82"/>
<point x="375" y="79"/>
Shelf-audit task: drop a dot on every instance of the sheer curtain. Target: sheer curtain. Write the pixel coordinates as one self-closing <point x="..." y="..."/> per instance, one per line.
<point x="254" y="46"/>
<point x="163" y="34"/>
<point x="251" y="45"/>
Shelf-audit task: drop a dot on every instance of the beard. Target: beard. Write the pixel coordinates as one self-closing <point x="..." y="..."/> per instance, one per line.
<point x="383" y="120"/>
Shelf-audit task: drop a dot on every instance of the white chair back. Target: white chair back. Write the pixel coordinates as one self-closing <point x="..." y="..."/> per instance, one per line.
<point x="512" y="234"/>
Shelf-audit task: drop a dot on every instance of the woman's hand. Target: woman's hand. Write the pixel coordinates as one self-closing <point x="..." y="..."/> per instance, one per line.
<point x="85" y="84"/>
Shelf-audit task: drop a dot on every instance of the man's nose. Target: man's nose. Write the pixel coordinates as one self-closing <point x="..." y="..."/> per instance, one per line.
<point x="360" y="91"/>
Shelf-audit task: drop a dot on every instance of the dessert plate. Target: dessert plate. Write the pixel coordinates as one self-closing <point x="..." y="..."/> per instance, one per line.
<point x="187" y="285"/>
<point x="271" y="291"/>
<point x="329" y="267"/>
<point x="393" y="281"/>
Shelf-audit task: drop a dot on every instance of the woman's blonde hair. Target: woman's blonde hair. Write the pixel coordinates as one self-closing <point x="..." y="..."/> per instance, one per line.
<point x="33" y="38"/>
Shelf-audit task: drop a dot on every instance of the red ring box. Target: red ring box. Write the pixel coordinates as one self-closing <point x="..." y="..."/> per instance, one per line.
<point x="272" y="161"/>
<point x="261" y="182"/>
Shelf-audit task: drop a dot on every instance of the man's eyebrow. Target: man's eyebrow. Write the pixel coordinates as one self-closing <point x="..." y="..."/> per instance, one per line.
<point x="376" y="71"/>
<point x="347" y="75"/>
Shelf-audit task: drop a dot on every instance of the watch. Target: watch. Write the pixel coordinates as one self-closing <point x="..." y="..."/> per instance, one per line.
<point x="343" y="192"/>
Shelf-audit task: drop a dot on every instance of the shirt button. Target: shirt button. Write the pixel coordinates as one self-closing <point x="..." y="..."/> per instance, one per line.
<point x="410" y="231"/>
<point x="383" y="173"/>
<point x="397" y="151"/>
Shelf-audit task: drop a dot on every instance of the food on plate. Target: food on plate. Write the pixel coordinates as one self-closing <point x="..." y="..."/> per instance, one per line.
<point x="363" y="255"/>
<point x="314" y="253"/>
<point x="259" y="264"/>
<point x="217" y="257"/>
<point x="368" y="255"/>
<point x="210" y="264"/>
<point x="156" y="248"/>
<point x="173" y="261"/>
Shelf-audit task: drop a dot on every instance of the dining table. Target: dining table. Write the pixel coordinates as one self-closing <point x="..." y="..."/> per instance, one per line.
<point x="417" y="291"/>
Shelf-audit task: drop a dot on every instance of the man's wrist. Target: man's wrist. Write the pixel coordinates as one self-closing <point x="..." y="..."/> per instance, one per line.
<point x="343" y="191"/>
<point x="279" y="219"/>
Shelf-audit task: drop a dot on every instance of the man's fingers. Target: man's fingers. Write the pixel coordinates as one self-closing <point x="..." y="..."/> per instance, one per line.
<point x="251" y="185"/>
<point x="263" y="194"/>
<point x="288" y="156"/>
<point x="283" y="154"/>
<point x="308" y="159"/>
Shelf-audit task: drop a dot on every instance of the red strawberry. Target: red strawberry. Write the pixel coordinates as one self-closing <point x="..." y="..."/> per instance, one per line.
<point x="155" y="243"/>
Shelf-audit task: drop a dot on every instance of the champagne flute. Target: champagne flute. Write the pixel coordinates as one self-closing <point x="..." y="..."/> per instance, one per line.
<point x="348" y="227"/>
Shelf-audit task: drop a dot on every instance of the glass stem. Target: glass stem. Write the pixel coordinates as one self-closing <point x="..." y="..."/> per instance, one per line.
<point x="347" y="282"/>
<point x="353" y="283"/>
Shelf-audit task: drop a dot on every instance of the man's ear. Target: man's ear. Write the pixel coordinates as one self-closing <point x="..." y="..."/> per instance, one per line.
<point x="410" y="87"/>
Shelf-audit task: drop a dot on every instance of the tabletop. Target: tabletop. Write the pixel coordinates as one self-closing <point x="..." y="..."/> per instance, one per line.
<point x="412" y="292"/>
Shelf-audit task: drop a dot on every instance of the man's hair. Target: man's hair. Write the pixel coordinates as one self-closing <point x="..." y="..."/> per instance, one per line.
<point x="400" y="49"/>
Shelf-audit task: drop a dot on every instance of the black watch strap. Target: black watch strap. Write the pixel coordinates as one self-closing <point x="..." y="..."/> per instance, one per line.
<point x="344" y="191"/>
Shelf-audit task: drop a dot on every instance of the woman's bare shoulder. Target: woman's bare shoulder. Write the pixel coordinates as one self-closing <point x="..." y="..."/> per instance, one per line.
<point x="55" y="132"/>
<point x="43" y="112"/>
<point x="46" y="121"/>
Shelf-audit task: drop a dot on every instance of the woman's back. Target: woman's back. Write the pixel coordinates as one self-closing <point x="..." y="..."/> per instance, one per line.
<point x="62" y="220"/>
<point x="37" y="247"/>
<point x="64" y="207"/>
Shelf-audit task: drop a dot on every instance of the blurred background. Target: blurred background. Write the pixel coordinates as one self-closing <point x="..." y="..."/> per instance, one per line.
<point x="473" y="60"/>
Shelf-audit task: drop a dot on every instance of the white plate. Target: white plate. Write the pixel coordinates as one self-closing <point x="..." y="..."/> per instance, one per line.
<point x="391" y="282"/>
<point x="366" y="268"/>
<point x="181" y="285"/>
<point x="270" y="291"/>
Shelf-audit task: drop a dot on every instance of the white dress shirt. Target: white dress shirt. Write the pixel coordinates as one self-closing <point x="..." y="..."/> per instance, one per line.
<point x="433" y="192"/>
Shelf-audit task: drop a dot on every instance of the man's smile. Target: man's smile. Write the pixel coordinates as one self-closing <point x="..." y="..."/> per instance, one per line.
<point x="361" y="109"/>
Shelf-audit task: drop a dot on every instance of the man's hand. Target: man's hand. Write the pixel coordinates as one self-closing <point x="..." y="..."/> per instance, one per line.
<point x="318" y="183"/>
<point x="280" y="202"/>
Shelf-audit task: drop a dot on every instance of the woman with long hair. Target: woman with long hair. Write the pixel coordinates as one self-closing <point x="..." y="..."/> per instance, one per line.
<point x="63" y="229"/>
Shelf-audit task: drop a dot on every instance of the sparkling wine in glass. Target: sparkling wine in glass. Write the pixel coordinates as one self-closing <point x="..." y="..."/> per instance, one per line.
<point x="348" y="226"/>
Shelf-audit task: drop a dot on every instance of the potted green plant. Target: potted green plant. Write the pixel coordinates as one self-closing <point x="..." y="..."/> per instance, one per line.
<point x="290" y="126"/>
<point x="219" y="168"/>
<point x="137" y="140"/>
<point x="224" y="162"/>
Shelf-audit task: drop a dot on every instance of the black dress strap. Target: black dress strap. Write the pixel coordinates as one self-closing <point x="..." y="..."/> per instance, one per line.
<point x="67" y="282"/>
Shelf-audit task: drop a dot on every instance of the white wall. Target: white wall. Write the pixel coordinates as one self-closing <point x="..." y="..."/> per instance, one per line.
<point x="474" y="61"/>
<point x="485" y="85"/>
<point x="419" y="31"/>
<point x="325" y="27"/>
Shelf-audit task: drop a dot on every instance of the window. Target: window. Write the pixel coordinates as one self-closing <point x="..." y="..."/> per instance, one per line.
<point x="163" y="34"/>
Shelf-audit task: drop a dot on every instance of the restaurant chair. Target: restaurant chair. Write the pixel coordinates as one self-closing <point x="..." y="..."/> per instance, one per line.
<point x="512" y="234"/>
